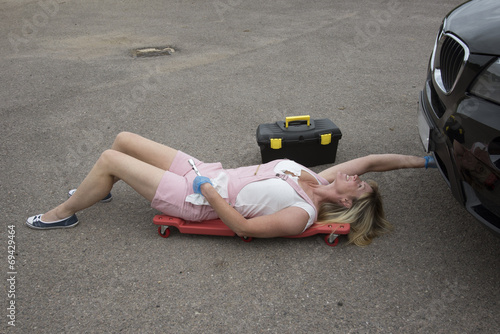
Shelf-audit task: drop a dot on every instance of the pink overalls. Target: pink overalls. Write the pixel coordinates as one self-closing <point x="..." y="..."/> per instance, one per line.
<point x="176" y="184"/>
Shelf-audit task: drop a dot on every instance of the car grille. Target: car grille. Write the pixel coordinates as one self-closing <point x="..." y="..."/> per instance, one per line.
<point x="450" y="57"/>
<point x="451" y="60"/>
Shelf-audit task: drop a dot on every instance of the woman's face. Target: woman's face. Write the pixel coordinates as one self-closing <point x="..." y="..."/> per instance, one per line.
<point x="351" y="186"/>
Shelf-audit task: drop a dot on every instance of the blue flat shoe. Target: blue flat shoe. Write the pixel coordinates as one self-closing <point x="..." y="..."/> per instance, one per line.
<point x="37" y="223"/>
<point x="106" y="199"/>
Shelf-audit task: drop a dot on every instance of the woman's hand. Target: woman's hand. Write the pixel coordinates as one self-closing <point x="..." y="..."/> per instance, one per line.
<point x="198" y="181"/>
<point x="430" y="162"/>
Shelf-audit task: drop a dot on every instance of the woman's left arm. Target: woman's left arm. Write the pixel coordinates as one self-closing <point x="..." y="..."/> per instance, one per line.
<point x="374" y="163"/>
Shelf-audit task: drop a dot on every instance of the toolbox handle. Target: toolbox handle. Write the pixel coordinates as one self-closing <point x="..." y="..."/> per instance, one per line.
<point x="290" y="119"/>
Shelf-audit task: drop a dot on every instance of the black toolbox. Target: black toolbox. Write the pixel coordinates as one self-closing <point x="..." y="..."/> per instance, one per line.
<point x="310" y="142"/>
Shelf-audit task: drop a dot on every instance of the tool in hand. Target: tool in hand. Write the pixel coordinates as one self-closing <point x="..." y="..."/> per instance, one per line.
<point x="199" y="180"/>
<point x="191" y="162"/>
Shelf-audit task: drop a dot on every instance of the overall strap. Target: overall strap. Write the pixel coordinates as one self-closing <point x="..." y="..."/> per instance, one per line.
<point x="299" y="191"/>
<point x="242" y="176"/>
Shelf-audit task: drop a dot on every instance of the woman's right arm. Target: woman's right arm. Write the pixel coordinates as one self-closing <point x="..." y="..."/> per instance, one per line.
<point x="373" y="163"/>
<point x="289" y="221"/>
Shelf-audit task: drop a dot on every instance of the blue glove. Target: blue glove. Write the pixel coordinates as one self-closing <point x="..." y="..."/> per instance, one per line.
<point x="430" y="162"/>
<point x="198" y="181"/>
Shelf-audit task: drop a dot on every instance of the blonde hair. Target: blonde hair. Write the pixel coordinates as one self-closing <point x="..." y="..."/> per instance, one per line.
<point x="366" y="216"/>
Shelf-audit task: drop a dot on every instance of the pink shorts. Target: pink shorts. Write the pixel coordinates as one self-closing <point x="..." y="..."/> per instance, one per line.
<point x="177" y="183"/>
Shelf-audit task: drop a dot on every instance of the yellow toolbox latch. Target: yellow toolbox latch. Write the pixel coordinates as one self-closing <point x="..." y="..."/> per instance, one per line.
<point x="326" y="139"/>
<point x="275" y="143"/>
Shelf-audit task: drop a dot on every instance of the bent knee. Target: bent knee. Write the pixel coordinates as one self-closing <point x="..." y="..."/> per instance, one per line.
<point x="123" y="140"/>
<point x="124" y="136"/>
<point x="109" y="156"/>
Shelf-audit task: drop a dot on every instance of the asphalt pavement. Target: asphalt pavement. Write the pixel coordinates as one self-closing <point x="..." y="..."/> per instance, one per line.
<point x="73" y="77"/>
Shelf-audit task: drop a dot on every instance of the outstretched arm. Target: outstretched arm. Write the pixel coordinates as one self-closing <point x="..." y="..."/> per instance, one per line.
<point x="374" y="163"/>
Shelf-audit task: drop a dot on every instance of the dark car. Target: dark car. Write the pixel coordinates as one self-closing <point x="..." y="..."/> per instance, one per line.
<point x="459" y="107"/>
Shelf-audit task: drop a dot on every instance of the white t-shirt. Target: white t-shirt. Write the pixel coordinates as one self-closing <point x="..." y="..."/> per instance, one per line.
<point x="269" y="196"/>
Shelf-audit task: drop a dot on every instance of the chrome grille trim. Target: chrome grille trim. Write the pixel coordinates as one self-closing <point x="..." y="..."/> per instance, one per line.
<point x="448" y="61"/>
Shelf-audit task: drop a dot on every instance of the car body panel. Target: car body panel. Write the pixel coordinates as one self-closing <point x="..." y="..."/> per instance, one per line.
<point x="477" y="23"/>
<point x="460" y="129"/>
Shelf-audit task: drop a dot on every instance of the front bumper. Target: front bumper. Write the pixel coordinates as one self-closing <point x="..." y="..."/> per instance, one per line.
<point x="436" y="142"/>
<point x="447" y="139"/>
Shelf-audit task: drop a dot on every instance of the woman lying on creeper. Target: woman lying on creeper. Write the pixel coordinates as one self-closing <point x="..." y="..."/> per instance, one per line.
<point x="279" y="198"/>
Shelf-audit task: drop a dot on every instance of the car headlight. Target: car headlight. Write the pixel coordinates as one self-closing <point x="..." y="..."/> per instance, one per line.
<point x="487" y="85"/>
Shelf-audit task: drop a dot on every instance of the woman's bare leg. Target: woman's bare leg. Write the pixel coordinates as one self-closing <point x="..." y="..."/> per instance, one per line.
<point x="146" y="150"/>
<point x="112" y="165"/>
